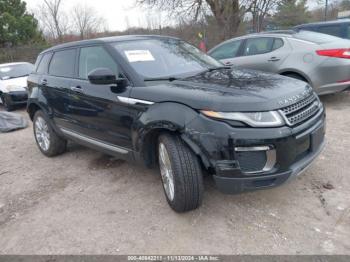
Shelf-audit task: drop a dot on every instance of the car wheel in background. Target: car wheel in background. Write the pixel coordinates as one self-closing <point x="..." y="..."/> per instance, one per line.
<point x="7" y="103"/>
<point x="49" y="143"/>
<point x="180" y="172"/>
<point x="296" y="76"/>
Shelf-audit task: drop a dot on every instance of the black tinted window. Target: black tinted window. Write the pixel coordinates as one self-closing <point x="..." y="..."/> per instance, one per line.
<point x="95" y="57"/>
<point x="228" y="50"/>
<point x="43" y="64"/>
<point x="315" y="37"/>
<point x="256" y="46"/>
<point x="63" y="63"/>
<point x="330" y="30"/>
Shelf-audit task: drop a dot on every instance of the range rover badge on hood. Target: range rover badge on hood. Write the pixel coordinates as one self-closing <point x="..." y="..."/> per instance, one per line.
<point x="295" y="98"/>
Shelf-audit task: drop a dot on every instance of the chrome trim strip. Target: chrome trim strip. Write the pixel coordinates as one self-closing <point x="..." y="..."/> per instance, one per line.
<point x="94" y="141"/>
<point x="133" y="101"/>
<point x="270" y="157"/>
<point x="253" y="148"/>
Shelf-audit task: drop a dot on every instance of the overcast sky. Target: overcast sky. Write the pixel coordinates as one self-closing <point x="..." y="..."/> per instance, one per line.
<point x="119" y="13"/>
<point x="116" y="12"/>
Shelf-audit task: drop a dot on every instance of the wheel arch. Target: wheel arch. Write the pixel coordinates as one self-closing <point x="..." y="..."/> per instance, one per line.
<point x="288" y="71"/>
<point x="158" y="119"/>
<point x="32" y="108"/>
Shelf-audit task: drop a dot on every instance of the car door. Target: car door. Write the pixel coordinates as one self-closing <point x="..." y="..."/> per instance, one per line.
<point x="264" y="53"/>
<point x="56" y="85"/>
<point x="96" y="110"/>
<point x="227" y="52"/>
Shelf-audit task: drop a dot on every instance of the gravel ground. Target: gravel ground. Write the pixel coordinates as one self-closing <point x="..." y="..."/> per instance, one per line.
<point x="84" y="202"/>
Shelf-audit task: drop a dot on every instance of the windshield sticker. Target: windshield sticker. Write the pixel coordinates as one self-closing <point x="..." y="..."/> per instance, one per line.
<point x="5" y="69"/>
<point x="139" y="55"/>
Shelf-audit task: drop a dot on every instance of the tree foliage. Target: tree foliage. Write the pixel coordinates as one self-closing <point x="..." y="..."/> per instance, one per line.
<point x="291" y="12"/>
<point x="228" y="14"/>
<point x="17" y="26"/>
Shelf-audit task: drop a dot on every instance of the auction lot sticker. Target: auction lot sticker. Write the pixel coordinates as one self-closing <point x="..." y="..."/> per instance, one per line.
<point x="139" y="55"/>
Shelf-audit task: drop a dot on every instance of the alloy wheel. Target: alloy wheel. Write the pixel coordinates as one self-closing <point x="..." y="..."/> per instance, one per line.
<point x="42" y="133"/>
<point x="166" y="172"/>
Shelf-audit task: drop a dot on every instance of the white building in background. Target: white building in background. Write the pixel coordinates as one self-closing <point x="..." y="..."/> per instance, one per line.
<point x="344" y="14"/>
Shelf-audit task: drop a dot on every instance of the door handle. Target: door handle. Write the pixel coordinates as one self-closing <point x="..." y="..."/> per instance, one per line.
<point x="43" y="82"/>
<point x="228" y="63"/>
<point x="274" y="59"/>
<point x="77" y="89"/>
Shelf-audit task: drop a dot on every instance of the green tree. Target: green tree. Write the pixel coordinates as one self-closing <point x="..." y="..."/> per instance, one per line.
<point x="344" y="5"/>
<point x="17" y="26"/>
<point x="291" y="12"/>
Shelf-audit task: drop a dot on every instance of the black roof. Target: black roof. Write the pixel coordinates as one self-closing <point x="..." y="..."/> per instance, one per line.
<point x="339" y="21"/>
<point x="105" y="40"/>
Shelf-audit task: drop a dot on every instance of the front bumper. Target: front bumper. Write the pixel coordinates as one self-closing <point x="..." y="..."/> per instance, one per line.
<point x="231" y="185"/>
<point x="295" y="149"/>
<point x="17" y="97"/>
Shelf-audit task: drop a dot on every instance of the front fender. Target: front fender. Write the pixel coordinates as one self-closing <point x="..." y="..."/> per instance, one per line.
<point x="167" y="116"/>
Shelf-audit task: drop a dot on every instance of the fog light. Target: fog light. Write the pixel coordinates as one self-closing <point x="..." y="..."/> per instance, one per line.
<point x="254" y="160"/>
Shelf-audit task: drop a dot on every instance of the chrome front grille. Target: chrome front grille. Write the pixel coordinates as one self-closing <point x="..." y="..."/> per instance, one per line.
<point x="302" y="110"/>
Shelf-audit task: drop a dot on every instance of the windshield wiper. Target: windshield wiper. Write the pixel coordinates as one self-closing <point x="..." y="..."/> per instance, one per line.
<point x="218" y="68"/>
<point x="12" y="77"/>
<point x="211" y="69"/>
<point x="170" y="79"/>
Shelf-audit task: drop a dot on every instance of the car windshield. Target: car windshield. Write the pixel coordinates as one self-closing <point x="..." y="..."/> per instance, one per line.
<point x="314" y="37"/>
<point x="162" y="58"/>
<point x="15" y="70"/>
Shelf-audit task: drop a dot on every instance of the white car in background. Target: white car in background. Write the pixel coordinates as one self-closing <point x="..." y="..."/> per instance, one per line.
<point x="13" y="84"/>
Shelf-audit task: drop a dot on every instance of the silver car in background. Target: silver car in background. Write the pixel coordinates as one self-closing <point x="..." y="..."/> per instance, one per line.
<point x="319" y="59"/>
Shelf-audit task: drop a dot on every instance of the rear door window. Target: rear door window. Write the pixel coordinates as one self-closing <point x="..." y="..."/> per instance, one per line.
<point x="277" y="43"/>
<point x="330" y="30"/>
<point x="63" y="63"/>
<point x="43" y="64"/>
<point x="228" y="50"/>
<point x="259" y="45"/>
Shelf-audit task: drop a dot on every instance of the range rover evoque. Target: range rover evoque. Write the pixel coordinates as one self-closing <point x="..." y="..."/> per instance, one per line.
<point x="162" y="102"/>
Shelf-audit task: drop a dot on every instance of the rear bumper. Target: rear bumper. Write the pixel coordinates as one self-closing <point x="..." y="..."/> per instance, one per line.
<point x="332" y="88"/>
<point x="17" y="97"/>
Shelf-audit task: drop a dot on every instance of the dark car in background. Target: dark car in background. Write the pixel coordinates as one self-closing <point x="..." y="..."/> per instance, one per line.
<point x="339" y="28"/>
<point x="162" y="102"/>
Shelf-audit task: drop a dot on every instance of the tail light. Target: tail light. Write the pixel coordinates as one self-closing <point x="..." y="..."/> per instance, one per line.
<point x="338" y="53"/>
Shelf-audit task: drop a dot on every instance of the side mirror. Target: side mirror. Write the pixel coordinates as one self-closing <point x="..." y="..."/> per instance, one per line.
<point x="102" y="76"/>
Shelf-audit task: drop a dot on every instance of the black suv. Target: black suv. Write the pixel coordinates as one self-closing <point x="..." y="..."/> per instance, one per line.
<point x="162" y="102"/>
<point x="339" y="28"/>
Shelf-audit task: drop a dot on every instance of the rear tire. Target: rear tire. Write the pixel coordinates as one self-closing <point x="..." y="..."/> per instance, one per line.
<point x="181" y="173"/>
<point x="49" y="143"/>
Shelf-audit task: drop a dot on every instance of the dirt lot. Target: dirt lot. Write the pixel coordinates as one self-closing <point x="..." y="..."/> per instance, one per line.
<point x="84" y="202"/>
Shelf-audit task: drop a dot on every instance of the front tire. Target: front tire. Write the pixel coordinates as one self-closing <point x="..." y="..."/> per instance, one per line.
<point x="49" y="143"/>
<point x="181" y="174"/>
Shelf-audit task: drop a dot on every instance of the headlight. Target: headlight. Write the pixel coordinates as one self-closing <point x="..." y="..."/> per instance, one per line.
<point x="254" y="119"/>
<point x="11" y="88"/>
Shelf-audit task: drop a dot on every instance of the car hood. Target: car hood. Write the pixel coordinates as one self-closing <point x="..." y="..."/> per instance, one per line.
<point x="228" y="90"/>
<point x="16" y="84"/>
